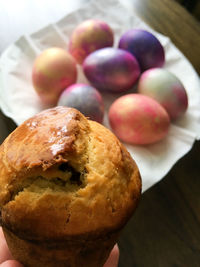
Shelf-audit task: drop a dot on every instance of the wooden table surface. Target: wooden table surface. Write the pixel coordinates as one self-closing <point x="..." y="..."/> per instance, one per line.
<point x="165" y="230"/>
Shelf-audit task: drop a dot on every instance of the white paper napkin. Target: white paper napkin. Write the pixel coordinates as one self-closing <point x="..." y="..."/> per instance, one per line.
<point x="19" y="101"/>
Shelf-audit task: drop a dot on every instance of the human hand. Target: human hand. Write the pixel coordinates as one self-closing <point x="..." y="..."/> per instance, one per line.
<point x="113" y="258"/>
<point x="6" y="259"/>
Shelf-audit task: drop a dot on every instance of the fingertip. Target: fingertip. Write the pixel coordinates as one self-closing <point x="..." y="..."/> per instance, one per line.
<point x="11" y="263"/>
<point x="113" y="259"/>
<point x="1" y="233"/>
<point x="116" y="249"/>
<point x="115" y="255"/>
<point x="4" y="250"/>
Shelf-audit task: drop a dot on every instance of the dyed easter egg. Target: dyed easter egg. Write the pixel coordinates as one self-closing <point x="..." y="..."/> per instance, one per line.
<point x="138" y="119"/>
<point x="111" y="69"/>
<point x="165" y="88"/>
<point x="53" y="71"/>
<point x="89" y="36"/>
<point x="145" y="47"/>
<point x="86" y="99"/>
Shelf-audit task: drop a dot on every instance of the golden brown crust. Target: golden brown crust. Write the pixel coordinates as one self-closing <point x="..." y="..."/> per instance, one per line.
<point x="63" y="176"/>
<point x="88" y="253"/>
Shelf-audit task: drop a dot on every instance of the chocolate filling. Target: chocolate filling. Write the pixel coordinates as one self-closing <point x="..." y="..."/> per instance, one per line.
<point x="75" y="176"/>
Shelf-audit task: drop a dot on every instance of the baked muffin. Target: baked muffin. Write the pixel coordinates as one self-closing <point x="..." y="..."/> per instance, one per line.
<point x="67" y="188"/>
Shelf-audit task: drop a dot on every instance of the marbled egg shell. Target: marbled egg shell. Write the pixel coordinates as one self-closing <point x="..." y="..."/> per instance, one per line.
<point x="86" y="99"/>
<point x="111" y="69"/>
<point x="165" y="88"/>
<point x="53" y="70"/>
<point x="145" y="47"/>
<point x="138" y="119"/>
<point x="89" y="36"/>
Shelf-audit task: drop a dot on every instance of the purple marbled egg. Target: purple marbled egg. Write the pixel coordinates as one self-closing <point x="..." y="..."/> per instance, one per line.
<point x="145" y="47"/>
<point x="89" y="36"/>
<point x="86" y="99"/>
<point x="166" y="88"/>
<point x="111" y="69"/>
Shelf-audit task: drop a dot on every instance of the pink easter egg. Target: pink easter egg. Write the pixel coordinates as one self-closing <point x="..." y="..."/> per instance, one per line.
<point x="138" y="119"/>
<point x="89" y="36"/>
<point x="53" y="70"/>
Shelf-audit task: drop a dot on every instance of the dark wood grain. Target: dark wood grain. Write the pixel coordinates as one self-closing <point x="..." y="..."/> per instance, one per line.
<point x="165" y="230"/>
<point x="6" y="126"/>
